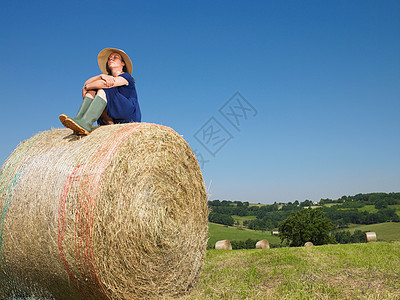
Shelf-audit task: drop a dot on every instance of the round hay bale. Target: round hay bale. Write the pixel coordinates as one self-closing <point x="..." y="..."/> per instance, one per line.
<point x="223" y="245"/>
<point x="308" y="244"/>
<point x="119" y="214"/>
<point x="371" y="237"/>
<point x="263" y="244"/>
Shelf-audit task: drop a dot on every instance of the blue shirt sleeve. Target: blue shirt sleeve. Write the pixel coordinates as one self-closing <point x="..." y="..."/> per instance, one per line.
<point x="129" y="78"/>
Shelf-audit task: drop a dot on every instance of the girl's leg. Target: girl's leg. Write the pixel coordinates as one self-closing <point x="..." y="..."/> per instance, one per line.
<point x="90" y="94"/>
<point x="106" y="118"/>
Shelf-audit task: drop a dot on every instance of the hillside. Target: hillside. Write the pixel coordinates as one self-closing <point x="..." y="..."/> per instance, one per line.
<point x="354" y="271"/>
<point x="387" y="232"/>
<point x="358" y="212"/>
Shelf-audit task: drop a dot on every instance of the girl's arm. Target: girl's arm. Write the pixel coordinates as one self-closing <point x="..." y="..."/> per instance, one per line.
<point x="108" y="82"/>
<point x="94" y="78"/>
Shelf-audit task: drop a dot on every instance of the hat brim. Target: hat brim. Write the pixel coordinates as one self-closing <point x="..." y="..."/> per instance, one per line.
<point x="102" y="59"/>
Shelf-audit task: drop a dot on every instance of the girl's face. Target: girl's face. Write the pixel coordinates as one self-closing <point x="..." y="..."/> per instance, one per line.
<point x="115" y="60"/>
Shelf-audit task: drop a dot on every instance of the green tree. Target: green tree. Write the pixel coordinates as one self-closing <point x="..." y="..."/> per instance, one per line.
<point x="307" y="225"/>
<point x="381" y="203"/>
<point x="226" y="203"/>
<point x="306" y="203"/>
<point x="221" y="219"/>
<point x="256" y="225"/>
<point x="343" y="237"/>
<point x="359" y="237"/>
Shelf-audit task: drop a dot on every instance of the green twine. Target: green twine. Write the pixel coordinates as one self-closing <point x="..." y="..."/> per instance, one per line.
<point x="8" y="194"/>
<point x="12" y="164"/>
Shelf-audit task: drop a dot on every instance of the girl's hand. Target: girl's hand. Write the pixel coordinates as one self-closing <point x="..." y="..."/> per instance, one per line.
<point x="110" y="80"/>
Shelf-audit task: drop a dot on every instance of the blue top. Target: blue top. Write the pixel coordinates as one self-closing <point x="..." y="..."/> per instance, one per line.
<point x="122" y="103"/>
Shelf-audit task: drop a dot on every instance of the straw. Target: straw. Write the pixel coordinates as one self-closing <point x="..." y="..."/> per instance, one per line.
<point x="119" y="214"/>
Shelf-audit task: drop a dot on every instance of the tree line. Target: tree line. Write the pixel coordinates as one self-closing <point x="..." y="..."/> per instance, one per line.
<point x="341" y="212"/>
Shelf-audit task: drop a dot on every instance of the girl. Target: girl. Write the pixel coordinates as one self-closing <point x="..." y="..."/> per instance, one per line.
<point x="109" y="98"/>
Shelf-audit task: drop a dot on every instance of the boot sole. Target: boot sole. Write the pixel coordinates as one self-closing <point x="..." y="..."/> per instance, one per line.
<point x="63" y="117"/>
<point x="67" y="122"/>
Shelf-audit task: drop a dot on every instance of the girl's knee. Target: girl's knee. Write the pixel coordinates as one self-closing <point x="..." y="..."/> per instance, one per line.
<point x="102" y="94"/>
<point x="90" y="94"/>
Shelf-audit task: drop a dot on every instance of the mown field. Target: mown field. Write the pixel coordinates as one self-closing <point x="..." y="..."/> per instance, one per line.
<point x="353" y="271"/>
<point x="218" y="232"/>
<point x="388" y="231"/>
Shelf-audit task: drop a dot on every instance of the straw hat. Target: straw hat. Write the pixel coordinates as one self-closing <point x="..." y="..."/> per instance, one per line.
<point x="102" y="59"/>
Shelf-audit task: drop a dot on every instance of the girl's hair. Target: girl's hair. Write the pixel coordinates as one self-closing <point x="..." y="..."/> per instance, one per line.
<point x="123" y="69"/>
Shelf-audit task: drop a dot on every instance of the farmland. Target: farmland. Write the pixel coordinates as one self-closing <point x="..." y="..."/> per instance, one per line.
<point x="388" y="231"/>
<point x="378" y="212"/>
<point x="353" y="271"/>
<point x="222" y="232"/>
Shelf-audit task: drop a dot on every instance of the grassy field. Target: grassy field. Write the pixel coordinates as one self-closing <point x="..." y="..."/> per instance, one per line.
<point x="396" y="207"/>
<point x="369" y="208"/>
<point x="355" y="271"/>
<point x="386" y="232"/>
<point x="242" y="219"/>
<point x="389" y="231"/>
<point x="254" y="204"/>
<point x="218" y="232"/>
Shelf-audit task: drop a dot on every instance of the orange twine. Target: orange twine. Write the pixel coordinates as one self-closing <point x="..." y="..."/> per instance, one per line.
<point x="87" y="178"/>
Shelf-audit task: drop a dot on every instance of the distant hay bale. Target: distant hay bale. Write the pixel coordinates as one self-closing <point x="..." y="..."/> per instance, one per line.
<point x="263" y="244"/>
<point x="371" y="237"/>
<point x="119" y="214"/>
<point x="223" y="245"/>
<point x="308" y="244"/>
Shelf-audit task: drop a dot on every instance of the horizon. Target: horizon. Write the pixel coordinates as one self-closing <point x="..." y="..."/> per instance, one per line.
<point x="307" y="199"/>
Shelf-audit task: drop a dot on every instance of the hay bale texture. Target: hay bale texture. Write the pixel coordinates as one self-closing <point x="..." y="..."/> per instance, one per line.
<point x="308" y="244"/>
<point x="370" y="236"/>
<point x="119" y="214"/>
<point x="263" y="244"/>
<point x="223" y="245"/>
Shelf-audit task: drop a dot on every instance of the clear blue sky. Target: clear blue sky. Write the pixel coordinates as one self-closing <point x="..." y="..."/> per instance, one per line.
<point x="322" y="79"/>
